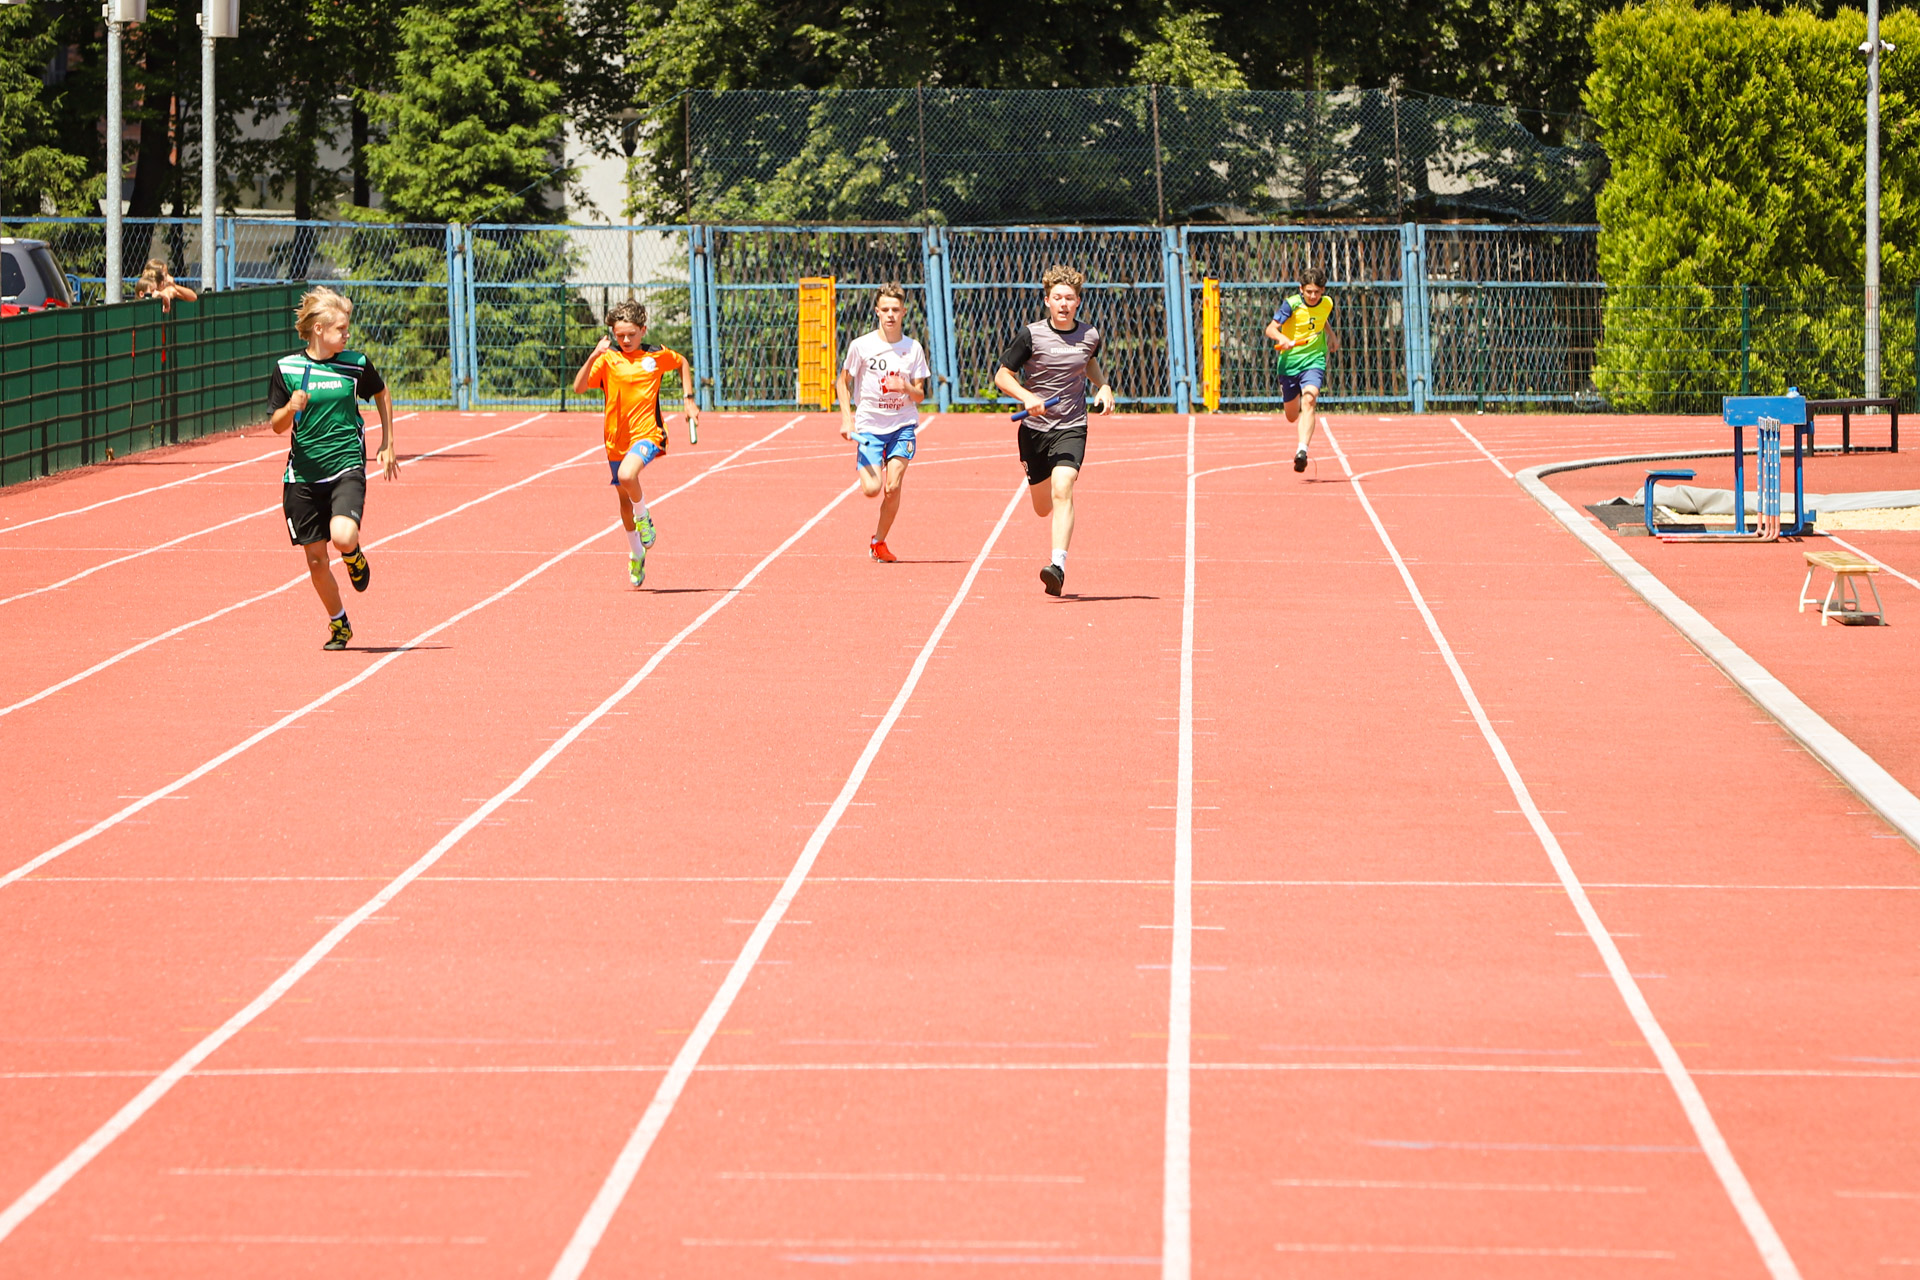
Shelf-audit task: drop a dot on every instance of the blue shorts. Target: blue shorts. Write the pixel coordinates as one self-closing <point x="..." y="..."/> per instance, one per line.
<point x="871" y="450"/>
<point x="647" y="450"/>
<point x="1291" y="383"/>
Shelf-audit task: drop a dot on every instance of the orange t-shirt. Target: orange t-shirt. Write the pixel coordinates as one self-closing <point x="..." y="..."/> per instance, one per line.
<point x="632" y="387"/>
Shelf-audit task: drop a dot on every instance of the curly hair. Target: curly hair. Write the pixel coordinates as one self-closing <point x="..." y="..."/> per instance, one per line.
<point x="631" y="312"/>
<point x="1058" y="274"/>
<point x="316" y="304"/>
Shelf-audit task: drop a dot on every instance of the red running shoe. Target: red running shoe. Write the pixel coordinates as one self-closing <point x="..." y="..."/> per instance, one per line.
<point x="878" y="550"/>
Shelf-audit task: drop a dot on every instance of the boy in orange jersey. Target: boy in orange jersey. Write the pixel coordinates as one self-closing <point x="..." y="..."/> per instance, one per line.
<point x="629" y="371"/>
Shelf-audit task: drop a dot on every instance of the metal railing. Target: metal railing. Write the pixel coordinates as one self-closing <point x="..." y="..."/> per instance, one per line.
<point x="1429" y="316"/>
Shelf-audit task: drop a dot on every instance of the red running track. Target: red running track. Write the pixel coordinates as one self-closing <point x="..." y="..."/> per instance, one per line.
<point x="801" y="914"/>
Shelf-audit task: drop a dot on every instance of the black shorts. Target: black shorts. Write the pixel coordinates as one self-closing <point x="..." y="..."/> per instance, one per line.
<point x="310" y="508"/>
<point x="1042" y="451"/>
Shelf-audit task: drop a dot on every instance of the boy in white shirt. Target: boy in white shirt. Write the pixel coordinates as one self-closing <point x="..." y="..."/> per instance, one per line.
<point x="885" y="375"/>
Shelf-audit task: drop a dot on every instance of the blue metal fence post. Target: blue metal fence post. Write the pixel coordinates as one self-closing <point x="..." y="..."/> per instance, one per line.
<point x="455" y="325"/>
<point x="939" y="338"/>
<point x="1414" y="320"/>
<point x="1173" y="264"/>
<point x="700" y="301"/>
<point x="947" y="326"/>
<point x="470" y="358"/>
<point x="223" y="254"/>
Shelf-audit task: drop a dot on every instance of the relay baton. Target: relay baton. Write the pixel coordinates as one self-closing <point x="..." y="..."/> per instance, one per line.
<point x="693" y="430"/>
<point x="1022" y="415"/>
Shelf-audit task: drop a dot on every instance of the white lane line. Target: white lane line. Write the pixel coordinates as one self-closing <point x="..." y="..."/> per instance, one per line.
<point x="299" y="713"/>
<point x="251" y="515"/>
<point x="249" y="1172"/>
<point x="295" y="581"/>
<point x="50" y="1183"/>
<point x="815" y="1176"/>
<point x="1883" y="792"/>
<point x="1868" y="556"/>
<point x="606" y="1202"/>
<point x="1477" y="1250"/>
<point x="135" y="555"/>
<point x="1176" y="1195"/>
<point x="1733" y="1180"/>
<point x="141" y="493"/>
<point x="300" y="1240"/>
<point x="1380" y="1184"/>
<point x="1474" y="441"/>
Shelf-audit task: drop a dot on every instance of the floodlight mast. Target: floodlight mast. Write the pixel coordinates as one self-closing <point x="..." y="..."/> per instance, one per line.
<point x="119" y="14"/>
<point x="219" y="20"/>
<point x="1873" y="48"/>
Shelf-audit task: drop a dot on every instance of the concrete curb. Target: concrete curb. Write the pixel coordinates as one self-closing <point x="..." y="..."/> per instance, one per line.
<point x="1880" y="789"/>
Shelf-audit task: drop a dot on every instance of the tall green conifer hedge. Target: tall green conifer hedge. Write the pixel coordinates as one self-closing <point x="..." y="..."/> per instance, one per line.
<point x="1733" y="223"/>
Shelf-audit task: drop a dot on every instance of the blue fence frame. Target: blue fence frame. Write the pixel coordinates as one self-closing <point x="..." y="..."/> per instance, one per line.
<point x="1428" y="315"/>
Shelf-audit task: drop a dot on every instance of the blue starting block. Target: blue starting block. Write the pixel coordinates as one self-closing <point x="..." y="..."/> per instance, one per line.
<point x="1789" y="410"/>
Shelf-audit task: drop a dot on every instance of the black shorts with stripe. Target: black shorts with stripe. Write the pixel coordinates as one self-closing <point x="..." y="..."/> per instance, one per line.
<point x="310" y="508"/>
<point x="1042" y="451"/>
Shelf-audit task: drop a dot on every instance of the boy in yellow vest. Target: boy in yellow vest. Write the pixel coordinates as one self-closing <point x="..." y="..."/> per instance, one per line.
<point x="1300" y="333"/>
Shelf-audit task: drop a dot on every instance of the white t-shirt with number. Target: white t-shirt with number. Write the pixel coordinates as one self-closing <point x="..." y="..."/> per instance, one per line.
<point x="870" y="358"/>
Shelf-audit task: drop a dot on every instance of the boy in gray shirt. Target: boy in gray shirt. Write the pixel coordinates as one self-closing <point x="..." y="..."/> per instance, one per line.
<point x="1055" y="357"/>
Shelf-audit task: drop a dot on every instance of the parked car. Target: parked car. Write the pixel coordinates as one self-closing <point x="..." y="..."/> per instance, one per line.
<point x="30" y="280"/>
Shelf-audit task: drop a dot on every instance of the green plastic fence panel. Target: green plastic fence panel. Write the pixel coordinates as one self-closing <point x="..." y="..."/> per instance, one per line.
<point x="86" y="384"/>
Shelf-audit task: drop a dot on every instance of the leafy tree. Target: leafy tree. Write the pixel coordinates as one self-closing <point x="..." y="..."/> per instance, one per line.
<point x="472" y="123"/>
<point x="1734" y="218"/>
<point x="33" y="169"/>
<point x="1185" y="55"/>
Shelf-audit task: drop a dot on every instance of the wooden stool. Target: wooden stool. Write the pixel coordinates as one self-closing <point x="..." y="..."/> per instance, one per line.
<point x="1843" y="596"/>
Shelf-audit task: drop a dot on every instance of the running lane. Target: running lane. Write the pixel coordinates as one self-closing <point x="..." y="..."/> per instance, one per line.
<point x="129" y="948"/>
<point x="569" y="933"/>
<point x="948" y="1055"/>
<point x="1412" y="1055"/>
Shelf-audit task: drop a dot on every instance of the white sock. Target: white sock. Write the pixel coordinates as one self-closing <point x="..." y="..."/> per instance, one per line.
<point x="1301" y="450"/>
<point x="340" y="616"/>
<point x="1060" y="559"/>
<point x="633" y="543"/>
<point x="642" y="513"/>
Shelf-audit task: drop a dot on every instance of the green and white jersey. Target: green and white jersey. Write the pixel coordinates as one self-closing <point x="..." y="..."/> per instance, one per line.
<point x="327" y="438"/>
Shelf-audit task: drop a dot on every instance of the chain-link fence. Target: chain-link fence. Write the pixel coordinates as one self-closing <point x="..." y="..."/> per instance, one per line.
<point x="1427" y="316"/>
<point x="1678" y="349"/>
<point x="1141" y="154"/>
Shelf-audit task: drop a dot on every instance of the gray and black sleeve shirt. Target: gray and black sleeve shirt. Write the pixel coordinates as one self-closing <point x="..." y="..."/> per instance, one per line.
<point x="1053" y="362"/>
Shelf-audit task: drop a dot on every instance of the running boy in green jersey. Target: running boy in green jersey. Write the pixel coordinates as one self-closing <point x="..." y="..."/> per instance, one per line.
<point x="1301" y="334"/>
<point x="315" y="393"/>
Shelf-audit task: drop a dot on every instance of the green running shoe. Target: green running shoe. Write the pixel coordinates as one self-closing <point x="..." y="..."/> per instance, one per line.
<point x="338" y="633"/>
<point x="359" y="572"/>
<point x="637" y="569"/>
<point x="644" y="527"/>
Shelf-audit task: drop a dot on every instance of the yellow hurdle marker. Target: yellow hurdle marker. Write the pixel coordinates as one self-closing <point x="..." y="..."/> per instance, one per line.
<point x="819" y="348"/>
<point x="1210" y="344"/>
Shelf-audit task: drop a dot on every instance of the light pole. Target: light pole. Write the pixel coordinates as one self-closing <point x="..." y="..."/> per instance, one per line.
<point x="1873" y="48"/>
<point x="219" y="20"/>
<point x="629" y="130"/>
<point x="119" y="15"/>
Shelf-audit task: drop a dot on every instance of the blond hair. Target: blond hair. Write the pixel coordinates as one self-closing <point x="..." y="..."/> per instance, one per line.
<point x="1067" y="276"/>
<point x="892" y="289"/>
<point x="317" y="303"/>
<point x="152" y="277"/>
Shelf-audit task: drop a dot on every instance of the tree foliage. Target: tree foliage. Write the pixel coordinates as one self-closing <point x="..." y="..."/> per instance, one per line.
<point x="32" y="169"/>
<point x="1737" y="143"/>
<point x="470" y="128"/>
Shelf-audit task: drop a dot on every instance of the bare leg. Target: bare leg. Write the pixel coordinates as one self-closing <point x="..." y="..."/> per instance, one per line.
<point x="1308" y="397"/>
<point x="890" y="505"/>
<point x="1042" y="495"/>
<point x="1062" y="504"/>
<point x="322" y="574"/>
<point x="630" y="497"/>
<point x="345" y="534"/>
